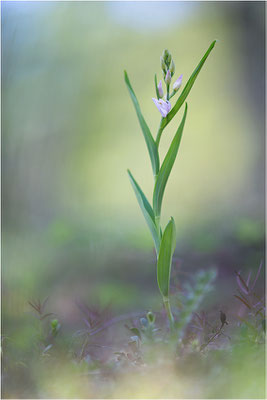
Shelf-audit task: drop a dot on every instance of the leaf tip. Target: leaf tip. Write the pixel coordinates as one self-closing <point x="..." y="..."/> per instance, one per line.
<point x="213" y="44"/>
<point x="125" y="75"/>
<point x="185" y="111"/>
<point x="172" y="223"/>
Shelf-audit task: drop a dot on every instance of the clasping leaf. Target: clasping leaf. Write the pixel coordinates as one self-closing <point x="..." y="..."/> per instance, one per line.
<point x="167" y="247"/>
<point x="150" y="142"/>
<point x="166" y="167"/>
<point x="146" y="210"/>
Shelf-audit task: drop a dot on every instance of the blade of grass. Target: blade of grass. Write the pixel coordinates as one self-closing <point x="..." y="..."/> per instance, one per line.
<point x="257" y="276"/>
<point x="247" y="323"/>
<point x="243" y="301"/>
<point x="241" y="283"/>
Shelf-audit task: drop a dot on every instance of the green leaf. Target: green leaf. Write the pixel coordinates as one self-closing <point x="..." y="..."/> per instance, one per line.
<point x="146" y="210"/>
<point x="166" y="167"/>
<point x="187" y="89"/>
<point x="167" y="247"/>
<point x="156" y="86"/>
<point x="136" y="332"/>
<point x="150" y="142"/>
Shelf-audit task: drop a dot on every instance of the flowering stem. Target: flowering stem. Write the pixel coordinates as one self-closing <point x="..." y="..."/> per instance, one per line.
<point x="168" y="91"/>
<point x="160" y="126"/>
<point x="157" y="221"/>
<point x="160" y="130"/>
<point x="172" y="94"/>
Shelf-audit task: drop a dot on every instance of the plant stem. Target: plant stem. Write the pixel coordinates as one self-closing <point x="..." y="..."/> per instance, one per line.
<point x="157" y="221"/>
<point x="173" y="93"/>
<point x="160" y="130"/>
<point x="166" y="302"/>
<point x="168" y="91"/>
<point x="211" y="339"/>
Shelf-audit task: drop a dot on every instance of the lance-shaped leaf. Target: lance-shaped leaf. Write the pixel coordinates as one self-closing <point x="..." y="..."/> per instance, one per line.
<point x="181" y="99"/>
<point x="146" y="210"/>
<point x="167" y="247"/>
<point x="150" y="142"/>
<point x="166" y="167"/>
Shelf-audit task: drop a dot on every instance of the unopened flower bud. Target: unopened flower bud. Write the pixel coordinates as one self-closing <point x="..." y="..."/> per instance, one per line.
<point x="151" y="317"/>
<point x="162" y="64"/>
<point x="178" y="83"/>
<point x="161" y="94"/>
<point x="169" y="58"/>
<point x="168" y="77"/>
<point x="172" y="67"/>
<point x="165" y="55"/>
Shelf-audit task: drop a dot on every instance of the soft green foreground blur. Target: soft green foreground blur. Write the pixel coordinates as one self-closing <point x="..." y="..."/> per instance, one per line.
<point x="71" y="225"/>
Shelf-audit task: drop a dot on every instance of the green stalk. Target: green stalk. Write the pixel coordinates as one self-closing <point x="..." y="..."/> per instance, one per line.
<point x="160" y="130"/>
<point x="168" y="91"/>
<point x="166" y="300"/>
<point x="172" y="94"/>
<point x="167" y="305"/>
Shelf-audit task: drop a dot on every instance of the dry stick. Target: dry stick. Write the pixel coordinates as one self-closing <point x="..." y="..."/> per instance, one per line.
<point x="116" y="320"/>
<point x="228" y="337"/>
<point x="213" y="337"/>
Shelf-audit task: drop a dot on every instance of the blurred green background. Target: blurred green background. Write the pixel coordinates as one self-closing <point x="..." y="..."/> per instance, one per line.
<point x="71" y="225"/>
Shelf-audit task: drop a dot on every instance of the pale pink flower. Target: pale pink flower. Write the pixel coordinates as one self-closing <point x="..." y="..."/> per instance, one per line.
<point x="168" y="77"/>
<point x="161" y="94"/>
<point x="178" y="83"/>
<point x="164" y="107"/>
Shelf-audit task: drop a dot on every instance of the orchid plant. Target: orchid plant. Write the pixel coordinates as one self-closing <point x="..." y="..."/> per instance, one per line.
<point x="164" y="240"/>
